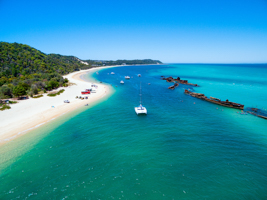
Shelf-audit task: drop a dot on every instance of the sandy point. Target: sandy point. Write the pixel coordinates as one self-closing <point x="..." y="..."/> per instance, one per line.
<point x="32" y="113"/>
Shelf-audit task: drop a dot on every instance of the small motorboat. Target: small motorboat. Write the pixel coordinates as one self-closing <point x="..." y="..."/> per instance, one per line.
<point x="112" y="73"/>
<point x="127" y="77"/>
<point x="122" y="82"/>
<point x="139" y="75"/>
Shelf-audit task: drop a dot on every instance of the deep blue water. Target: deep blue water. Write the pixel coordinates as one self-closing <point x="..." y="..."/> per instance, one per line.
<point x="185" y="148"/>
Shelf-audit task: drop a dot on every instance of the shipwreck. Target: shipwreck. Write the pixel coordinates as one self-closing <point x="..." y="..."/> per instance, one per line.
<point x="226" y="103"/>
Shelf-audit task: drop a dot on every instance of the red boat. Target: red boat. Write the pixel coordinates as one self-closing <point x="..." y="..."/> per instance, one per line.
<point x="85" y="92"/>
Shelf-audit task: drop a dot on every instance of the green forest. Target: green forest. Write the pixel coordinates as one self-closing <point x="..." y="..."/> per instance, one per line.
<point x="121" y="62"/>
<point x="26" y="71"/>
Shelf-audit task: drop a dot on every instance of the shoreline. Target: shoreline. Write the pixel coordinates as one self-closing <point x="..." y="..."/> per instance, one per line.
<point x="32" y="113"/>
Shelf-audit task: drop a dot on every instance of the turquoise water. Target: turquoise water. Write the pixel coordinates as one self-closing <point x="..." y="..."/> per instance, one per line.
<point x="184" y="148"/>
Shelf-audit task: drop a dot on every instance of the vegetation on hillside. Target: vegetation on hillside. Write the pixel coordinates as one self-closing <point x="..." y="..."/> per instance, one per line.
<point x="121" y="62"/>
<point x="27" y="71"/>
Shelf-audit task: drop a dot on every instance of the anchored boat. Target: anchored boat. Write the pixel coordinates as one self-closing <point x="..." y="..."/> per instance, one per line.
<point x="140" y="109"/>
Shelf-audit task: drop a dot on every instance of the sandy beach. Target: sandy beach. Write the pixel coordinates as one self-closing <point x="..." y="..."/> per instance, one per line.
<point x="32" y="113"/>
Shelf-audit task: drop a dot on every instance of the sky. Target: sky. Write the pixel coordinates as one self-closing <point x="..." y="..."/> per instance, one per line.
<point x="173" y="31"/>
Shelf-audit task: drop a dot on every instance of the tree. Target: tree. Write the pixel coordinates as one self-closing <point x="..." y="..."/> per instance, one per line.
<point x="19" y="91"/>
<point x="25" y="86"/>
<point x="54" y="84"/>
<point x="34" y="89"/>
<point x="14" y="72"/>
<point x="5" y="92"/>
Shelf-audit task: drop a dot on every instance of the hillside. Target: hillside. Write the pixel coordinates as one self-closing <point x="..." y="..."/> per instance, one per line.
<point x="121" y="62"/>
<point x="27" y="71"/>
<point x="30" y="71"/>
<point x="19" y="61"/>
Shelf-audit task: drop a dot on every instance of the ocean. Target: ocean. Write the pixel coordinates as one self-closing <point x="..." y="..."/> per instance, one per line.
<point x="185" y="148"/>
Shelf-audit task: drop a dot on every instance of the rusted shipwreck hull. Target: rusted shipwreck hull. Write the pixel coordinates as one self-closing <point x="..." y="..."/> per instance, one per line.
<point x="173" y="86"/>
<point x="257" y="112"/>
<point x="178" y="80"/>
<point x="226" y="103"/>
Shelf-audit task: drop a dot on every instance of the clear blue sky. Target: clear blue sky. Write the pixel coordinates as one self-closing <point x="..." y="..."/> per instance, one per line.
<point x="180" y="31"/>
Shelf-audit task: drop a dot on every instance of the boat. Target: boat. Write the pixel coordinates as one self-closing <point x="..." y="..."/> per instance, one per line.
<point x="140" y="109"/>
<point x="122" y="82"/>
<point x="139" y="75"/>
<point x="127" y="77"/>
<point x="112" y="73"/>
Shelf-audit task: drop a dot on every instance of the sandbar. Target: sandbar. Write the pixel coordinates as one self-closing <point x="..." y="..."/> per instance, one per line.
<point x="32" y="113"/>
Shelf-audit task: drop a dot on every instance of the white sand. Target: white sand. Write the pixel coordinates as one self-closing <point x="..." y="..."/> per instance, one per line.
<point x="31" y="113"/>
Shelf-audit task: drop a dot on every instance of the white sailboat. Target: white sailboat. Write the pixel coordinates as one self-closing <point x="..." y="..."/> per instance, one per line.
<point x="140" y="109"/>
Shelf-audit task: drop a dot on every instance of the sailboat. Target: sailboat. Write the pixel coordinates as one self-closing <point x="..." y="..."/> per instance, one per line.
<point x="140" y="109"/>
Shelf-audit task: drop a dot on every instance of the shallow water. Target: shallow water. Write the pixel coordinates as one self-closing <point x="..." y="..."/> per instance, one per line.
<point x="185" y="148"/>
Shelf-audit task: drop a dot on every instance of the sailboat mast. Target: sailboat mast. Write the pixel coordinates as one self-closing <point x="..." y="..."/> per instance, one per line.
<point x="140" y="93"/>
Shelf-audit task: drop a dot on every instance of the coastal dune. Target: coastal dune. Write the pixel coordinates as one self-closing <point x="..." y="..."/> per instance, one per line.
<point x="29" y="114"/>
